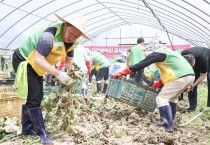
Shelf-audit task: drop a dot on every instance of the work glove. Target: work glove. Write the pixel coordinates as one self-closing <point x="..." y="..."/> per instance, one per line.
<point x="88" y="64"/>
<point x="63" y="77"/>
<point x="157" y="84"/>
<point x="61" y="64"/>
<point x="122" y="73"/>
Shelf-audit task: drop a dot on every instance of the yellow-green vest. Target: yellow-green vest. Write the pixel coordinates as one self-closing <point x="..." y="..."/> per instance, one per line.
<point x="58" y="52"/>
<point x="175" y="66"/>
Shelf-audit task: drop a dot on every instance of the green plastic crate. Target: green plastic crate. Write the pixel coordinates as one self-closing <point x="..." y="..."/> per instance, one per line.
<point x="114" y="88"/>
<point x="132" y="94"/>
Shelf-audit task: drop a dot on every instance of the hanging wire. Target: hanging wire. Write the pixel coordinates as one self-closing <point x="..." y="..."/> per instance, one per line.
<point x="161" y="24"/>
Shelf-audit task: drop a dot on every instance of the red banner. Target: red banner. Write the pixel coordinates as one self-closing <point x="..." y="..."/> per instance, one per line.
<point x="113" y="51"/>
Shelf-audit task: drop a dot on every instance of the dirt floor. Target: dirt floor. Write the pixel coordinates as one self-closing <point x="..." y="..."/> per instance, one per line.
<point x="116" y="123"/>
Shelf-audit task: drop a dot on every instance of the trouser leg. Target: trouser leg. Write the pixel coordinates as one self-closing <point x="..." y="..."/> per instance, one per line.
<point x="99" y="87"/>
<point x="208" y="81"/>
<point x="105" y="88"/>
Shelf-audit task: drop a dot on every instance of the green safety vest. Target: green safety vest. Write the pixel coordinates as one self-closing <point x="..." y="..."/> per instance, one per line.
<point x="99" y="60"/>
<point x="58" y="52"/>
<point x="136" y="54"/>
<point x="175" y="66"/>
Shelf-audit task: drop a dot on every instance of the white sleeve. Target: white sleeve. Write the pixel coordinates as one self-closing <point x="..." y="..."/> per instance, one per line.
<point x="85" y="55"/>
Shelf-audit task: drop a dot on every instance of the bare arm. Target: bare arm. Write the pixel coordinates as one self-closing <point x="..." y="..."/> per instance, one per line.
<point x="197" y="82"/>
<point x="70" y="63"/>
<point x="200" y="79"/>
<point x="40" y="61"/>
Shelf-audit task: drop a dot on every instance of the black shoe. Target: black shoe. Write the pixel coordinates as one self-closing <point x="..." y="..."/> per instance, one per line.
<point x="190" y="109"/>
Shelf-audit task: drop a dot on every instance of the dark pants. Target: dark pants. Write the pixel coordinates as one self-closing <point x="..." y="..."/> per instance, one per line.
<point x="103" y="73"/>
<point x="35" y="82"/>
<point x="192" y="96"/>
<point x="6" y="66"/>
<point x="181" y="97"/>
<point x="92" y="73"/>
<point x="208" y="83"/>
<point x="137" y="76"/>
<point x="2" y="63"/>
<point x="147" y="80"/>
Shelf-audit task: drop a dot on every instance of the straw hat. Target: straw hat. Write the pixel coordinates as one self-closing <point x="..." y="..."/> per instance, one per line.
<point x="77" y="21"/>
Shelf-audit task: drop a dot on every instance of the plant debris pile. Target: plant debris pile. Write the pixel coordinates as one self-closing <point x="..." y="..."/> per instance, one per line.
<point x="69" y="120"/>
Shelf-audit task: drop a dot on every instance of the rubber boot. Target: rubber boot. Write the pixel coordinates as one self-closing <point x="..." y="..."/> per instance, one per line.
<point x="38" y="122"/>
<point x="27" y="126"/>
<point x="166" y="116"/>
<point x="105" y="88"/>
<point x="99" y="87"/>
<point x="173" y="109"/>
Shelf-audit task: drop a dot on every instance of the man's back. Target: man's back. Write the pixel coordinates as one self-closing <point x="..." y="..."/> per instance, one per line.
<point x="136" y="54"/>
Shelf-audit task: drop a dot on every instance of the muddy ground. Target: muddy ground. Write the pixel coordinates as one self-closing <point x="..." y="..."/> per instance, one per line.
<point x="116" y="123"/>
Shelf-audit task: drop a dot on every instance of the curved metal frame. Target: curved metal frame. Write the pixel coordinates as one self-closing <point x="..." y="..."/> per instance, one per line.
<point x="191" y="28"/>
<point x="188" y="17"/>
<point x="146" y="24"/>
<point x="34" y="23"/>
<point x="120" y="24"/>
<point x="21" y="18"/>
<point x="180" y="24"/>
<point x="170" y="13"/>
<point x="168" y="24"/>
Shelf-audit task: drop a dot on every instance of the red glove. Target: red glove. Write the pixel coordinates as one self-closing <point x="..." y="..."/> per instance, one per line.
<point x="157" y="84"/>
<point x="122" y="73"/>
<point x="61" y="65"/>
<point x="88" y="64"/>
<point x="71" y="70"/>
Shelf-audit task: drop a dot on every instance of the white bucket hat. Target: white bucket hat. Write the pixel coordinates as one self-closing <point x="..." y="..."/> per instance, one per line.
<point x="77" y="21"/>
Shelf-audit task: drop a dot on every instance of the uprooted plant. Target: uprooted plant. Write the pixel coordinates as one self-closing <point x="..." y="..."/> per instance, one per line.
<point x="61" y="103"/>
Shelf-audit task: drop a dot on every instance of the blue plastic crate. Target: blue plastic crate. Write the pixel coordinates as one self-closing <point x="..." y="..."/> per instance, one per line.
<point x="132" y="94"/>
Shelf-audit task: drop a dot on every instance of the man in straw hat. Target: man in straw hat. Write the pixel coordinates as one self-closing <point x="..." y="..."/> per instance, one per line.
<point x="41" y="51"/>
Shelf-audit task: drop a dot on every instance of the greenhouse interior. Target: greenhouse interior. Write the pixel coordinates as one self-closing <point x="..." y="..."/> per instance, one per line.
<point x="96" y="72"/>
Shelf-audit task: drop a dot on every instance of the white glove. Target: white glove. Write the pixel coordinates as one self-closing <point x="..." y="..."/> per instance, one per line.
<point x="63" y="77"/>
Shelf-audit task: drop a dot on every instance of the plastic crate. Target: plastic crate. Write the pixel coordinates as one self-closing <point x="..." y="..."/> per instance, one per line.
<point x="132" y="94"/>
<point x="115" y="88"/>
<point x="10" y="105"/>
